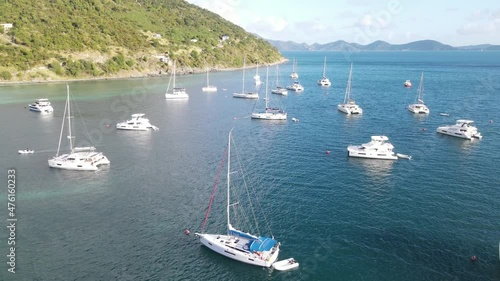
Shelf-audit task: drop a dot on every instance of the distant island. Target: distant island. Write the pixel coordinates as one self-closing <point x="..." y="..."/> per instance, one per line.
<point x="340" y="45"/>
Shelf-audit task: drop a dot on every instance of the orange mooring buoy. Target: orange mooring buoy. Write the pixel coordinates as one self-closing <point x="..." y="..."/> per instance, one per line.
<point x="328" y="152"/>
<point x="186" y="231"/>
<point x="473" y="258"/>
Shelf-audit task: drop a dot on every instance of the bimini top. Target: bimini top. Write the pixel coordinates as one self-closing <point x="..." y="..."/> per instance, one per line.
<point x="262" y="244"/>
<point x="136" y="115"/>
<point x="380" y="138"/>
<point x="464" y="121"/>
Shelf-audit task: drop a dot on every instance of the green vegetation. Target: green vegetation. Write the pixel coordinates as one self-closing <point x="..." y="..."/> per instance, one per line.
<point x="92" y="38"/>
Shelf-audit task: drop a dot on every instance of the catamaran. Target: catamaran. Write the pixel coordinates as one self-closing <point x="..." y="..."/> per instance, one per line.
<point x="349" y="106"/>
<point x="324" y="81"/>
<point x="78" y="158"/>
<point x="419" y="107"/>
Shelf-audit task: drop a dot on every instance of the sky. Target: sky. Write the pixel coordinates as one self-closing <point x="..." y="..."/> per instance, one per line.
<point x="457" y="23"/>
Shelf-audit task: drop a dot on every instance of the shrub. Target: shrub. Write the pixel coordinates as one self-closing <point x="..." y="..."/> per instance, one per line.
<point x="5" y="75"/>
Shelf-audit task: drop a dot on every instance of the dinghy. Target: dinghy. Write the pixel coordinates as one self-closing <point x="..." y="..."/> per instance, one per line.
<point x="25" y="151"/>
<point x="444" y="114"/>
<point x="400" y="155"/>
<point x="286" y="264"/>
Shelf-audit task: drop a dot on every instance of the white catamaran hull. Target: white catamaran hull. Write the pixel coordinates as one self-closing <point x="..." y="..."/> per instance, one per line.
<point x="350" y="109"/>
<point x="65" y="162"/>
<point x="213" y="242"/>
<point x="246" y="96"/>
<point x="357" y="151"/>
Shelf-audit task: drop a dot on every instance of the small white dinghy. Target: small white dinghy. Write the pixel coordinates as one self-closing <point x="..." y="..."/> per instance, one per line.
<point x="287" y="264"/>
<point x="400" y="155"/>
<point x="25" y="151"/>
<point x="295" y="119"/>
<point x="444" y="114"/>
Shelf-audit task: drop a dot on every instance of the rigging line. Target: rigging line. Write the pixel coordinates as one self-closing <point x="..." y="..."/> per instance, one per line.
<point x="246" y="188"/>
<point x="254" y="193"/>
<point x="87" y="134"/>
<point x="214" y="189"/>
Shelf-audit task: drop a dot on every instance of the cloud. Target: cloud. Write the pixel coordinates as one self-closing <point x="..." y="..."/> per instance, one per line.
<point x="481" y="22"/>
<point x="273" y="24"/>
<point x="228" y="9"/>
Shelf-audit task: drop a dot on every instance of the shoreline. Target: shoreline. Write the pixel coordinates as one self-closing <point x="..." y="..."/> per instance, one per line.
<point x="146" y="75"/>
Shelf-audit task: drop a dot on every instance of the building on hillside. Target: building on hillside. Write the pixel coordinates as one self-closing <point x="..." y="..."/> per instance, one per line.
<point x="6" y="26"/>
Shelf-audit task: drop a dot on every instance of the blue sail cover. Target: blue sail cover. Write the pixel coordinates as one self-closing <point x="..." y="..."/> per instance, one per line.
<point x="235" y="232"/>
<point x="262" y="244"/>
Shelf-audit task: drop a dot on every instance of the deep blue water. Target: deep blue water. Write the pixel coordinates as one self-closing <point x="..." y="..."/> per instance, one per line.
<point x="341" y="218"/>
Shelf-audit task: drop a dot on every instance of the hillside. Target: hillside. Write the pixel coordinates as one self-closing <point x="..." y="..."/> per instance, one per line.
<point x="340" y="45"/>
<point x="64" y="39"/>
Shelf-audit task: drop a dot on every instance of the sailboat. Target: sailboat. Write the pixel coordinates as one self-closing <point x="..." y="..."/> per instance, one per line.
<point x="324" y="81"/>
<point x="177" y="92"/>
<point x="269" y="112"/>
<point x="209" y="88"/>
<point x="256" y="77"/>
<point x="419" y="107"/>
<point x="279" y="90"/>
<point x="79" y="158"/>
<point x="349" y="106"/>
<point x="244" y="95"/>
<point x="236" y="244"/>
<point x="294" y="74"/>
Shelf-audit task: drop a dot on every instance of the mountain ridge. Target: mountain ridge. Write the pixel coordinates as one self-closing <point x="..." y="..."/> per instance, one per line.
<point x="379" y="45"/>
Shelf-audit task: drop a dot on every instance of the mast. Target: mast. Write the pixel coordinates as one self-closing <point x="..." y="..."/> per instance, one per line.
<point x="62" y="126"/>
<point x="277" y="75"/>
<point x="348" y="88"/>
<point x="208" y="83"/>
<point x="228" y="177"/>
<point x="324" y="68"/>
<point x="420" y="88"/>
<point x="267" y="79"/>
<point x="243" y="82"/>
<point x="70" y="137"/>
<point x="174" y="78"/>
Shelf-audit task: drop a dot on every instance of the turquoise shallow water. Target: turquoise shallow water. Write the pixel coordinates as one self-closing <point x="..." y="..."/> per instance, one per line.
<point x="341" y="218"/>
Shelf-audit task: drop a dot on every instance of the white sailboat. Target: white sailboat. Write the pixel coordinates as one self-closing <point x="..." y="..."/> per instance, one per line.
<point x="324" y="81"/>
<point x="78" y="158"/>
<point x="244" y="95"/>
<point x="236" y="244"/>
<point x="177" y="92"/>
<point x="256" y="77"/>
<point x="349" y="106"/>
<point x="419" y="107"/>
<point x="208" y="87"/>
<point x="279" y="90"/>
<point x="294" y="74"/>
<point x="270" y="113"/>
